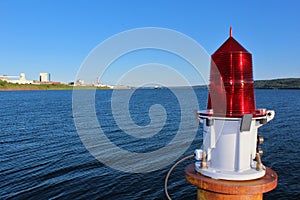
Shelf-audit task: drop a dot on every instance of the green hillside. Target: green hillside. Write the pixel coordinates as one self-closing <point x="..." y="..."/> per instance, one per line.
<point x="286" y="83"/>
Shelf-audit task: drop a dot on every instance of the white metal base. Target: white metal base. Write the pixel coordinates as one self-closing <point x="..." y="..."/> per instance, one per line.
<point x="249" y="174"/>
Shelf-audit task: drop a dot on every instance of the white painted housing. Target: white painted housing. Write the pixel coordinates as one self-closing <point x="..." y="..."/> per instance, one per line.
<point x="231" y="146"/>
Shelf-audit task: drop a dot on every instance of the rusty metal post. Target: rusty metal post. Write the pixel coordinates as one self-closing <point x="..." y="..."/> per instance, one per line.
<point x="216" y="189"/>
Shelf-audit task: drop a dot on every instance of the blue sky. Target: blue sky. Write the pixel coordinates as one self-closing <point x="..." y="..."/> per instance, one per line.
<point x="56" y="36"/>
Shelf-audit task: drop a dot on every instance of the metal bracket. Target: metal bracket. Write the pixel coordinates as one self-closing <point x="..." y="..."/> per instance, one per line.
<point x="246" y="122"/>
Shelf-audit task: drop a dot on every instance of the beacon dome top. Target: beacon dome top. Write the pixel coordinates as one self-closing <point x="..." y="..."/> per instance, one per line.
<point x="230" y="45"/>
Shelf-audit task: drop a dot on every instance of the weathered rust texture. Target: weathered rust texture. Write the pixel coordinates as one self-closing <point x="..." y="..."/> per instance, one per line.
<point x="215" y="189"/>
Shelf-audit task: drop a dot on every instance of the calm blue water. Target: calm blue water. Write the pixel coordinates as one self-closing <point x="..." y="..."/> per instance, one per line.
<point x="42" y="156"/>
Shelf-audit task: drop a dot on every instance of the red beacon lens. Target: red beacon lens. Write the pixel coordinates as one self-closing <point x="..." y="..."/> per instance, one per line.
<point x="231" y="88"/>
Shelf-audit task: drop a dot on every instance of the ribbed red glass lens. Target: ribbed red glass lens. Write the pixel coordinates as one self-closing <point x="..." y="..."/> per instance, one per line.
<point x="231" y="80"/>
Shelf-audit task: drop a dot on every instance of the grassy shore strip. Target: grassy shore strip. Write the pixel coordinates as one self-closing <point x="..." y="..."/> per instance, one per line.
<point x="5" y="86"/>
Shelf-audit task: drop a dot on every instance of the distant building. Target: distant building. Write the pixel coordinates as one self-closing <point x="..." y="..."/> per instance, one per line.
<point x="4" y="78"/>
<point x="104" y="85"/>
<point x="44" y="77"/>
<point x="79" y="82"/>
<point x="22" y="77"/>
<point x="13" y="79"/>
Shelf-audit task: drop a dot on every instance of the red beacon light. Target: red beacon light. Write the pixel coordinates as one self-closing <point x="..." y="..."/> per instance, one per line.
<point x="231" y="79"/>
<point x="230" y="123"/>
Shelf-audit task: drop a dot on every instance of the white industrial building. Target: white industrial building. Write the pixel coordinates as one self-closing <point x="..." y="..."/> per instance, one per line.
<point x="16" y="79"/>
<point x="44" y="77"/>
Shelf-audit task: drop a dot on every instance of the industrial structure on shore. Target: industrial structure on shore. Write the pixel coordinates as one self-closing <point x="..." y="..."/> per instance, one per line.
<point x="21" y="79"/>
<point x="44" y="78"/>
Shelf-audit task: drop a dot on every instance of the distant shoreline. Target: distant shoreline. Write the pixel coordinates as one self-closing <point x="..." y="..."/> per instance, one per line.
<point x="284" y="83"/>
<point x="275" y="84"/>
<point x="6" y="86"/>
<point x="27" y="89"/>
<point x="287" y="83"/>
<point x="49" y="89"/>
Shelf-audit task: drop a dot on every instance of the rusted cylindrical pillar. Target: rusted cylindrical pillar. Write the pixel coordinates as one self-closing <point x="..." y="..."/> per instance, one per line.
<point x="216" y="189"/>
